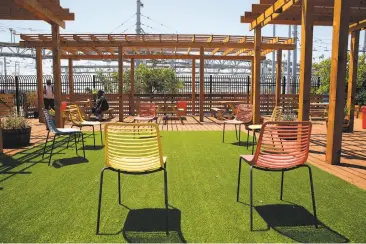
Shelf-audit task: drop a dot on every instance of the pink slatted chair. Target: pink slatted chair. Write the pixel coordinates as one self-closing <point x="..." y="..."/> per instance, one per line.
<point x="282" y="146"/>
<point x="244" y="115"/>
<point x="146" y="113"/>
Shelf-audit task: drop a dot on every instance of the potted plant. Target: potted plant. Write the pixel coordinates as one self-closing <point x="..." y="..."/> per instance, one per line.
<point x="16" y="131"/>
<point x="31" y="103"/>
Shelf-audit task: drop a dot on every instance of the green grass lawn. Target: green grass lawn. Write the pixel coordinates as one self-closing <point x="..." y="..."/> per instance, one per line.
<point x="59" y="203"/>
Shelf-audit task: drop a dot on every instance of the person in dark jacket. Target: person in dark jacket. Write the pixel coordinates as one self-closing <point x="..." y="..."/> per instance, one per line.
<point x="101" y="105"/>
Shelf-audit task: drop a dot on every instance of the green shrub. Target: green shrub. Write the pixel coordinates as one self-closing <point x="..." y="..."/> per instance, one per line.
<point x="14" y="122"/>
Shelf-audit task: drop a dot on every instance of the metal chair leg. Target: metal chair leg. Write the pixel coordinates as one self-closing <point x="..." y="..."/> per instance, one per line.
<point x="53" y="144"/>
<point x="282" y="178"/>
<point x="93" y="136"/>
<point x="251" y="198"/>
<point x="248" y="139"/>
<point x="236" y="132"/>
<point x="76" y="145"/>
<point x="312" y="196"/>
<point x="100" y="198"/>
<point x="166" y="198"/>
<point x="119" y="188"/>
<point x="101" y="134"/>
<point x="238" y="187"/>
<point x="82" y="140"/>
<point x="223" y="134"/>
<point x="45" y="145"/>
<point x="68" y="141"/>
<point x="253" y="142"/>
<point x="239" y="133"/>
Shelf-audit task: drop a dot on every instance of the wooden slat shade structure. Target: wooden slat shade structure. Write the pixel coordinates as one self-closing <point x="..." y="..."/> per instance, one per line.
<point x="346" y="16"/>
<point x="47" y="10"/>
<point x="51" y="12"/>
<point x="150" y="46"/>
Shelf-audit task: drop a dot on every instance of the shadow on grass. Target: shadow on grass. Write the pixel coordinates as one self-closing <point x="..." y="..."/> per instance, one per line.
<point x="149" y="225"/>
<point x="297" y="223"/>
<point x="20" y="163"/>
<point x="59" y="163"/>
<point x="91" y="147"/>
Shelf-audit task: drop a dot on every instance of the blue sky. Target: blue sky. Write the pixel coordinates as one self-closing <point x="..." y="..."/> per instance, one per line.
<point x="162" y="16"/>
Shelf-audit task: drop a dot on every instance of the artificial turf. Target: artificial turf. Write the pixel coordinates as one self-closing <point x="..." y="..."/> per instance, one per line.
<point x="59" y="203"/>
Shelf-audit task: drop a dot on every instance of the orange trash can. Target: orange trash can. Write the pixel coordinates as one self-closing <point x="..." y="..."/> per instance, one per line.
<point x="363" y="110"/>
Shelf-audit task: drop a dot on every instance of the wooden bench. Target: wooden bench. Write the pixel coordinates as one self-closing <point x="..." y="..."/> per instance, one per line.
<point x="170" y="109"/>
<point x="218" y="113"/>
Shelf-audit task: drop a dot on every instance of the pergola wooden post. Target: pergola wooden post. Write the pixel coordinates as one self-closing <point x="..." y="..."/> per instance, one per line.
<point x="71" y="77"/>
<point x="202" y="79"/>
<point x="306" y="58"/>
<point x="57" y="73"/>
<point x="257" y="75"/>
<point x="337" y="81"/>
<point x="120" y="82"/>
<point x="193" y="86"/>
<point x="353" y="64"/>
<point x="132" y="87"/>
<point x="39" y="83"/>
<point x="252" y="83"/>
<point x="278" y="78"/>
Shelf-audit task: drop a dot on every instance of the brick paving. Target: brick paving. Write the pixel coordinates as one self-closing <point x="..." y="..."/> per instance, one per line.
<point x="353" y="162"/>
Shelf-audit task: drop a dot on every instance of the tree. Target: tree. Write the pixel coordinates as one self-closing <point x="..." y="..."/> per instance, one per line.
<point x="323" y="68"/>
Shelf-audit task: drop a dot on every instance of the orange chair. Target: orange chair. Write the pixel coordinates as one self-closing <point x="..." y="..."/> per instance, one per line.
<point x="243" y="116"/>
<point x="146" y="113"/>
<point x="182" y="108"/>
<point x="282" y="146"/>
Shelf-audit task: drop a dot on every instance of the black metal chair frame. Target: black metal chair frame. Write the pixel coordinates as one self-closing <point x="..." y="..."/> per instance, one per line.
<point x="63" y="134"/>
<point x="236" y="132"/>
<point x="281" y="193"/>
<point x="254" y="139"/>
<point x="119" y="191"/>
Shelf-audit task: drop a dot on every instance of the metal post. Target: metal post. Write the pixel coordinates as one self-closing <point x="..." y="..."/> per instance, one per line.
<point x="6" y="79"/>
<point x="17" y="94"/>
<point x="138" y="22"/>
<point x="210" y="91"/>
<point x="94" y="82"/>
<point x="318" y="82"/>
<point x="294" y="60"/>
<point x="284" y="85"/>
<point x="248" y="84"/>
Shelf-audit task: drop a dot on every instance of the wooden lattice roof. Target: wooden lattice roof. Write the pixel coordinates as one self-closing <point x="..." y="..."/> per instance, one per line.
<point x="288" y="12"/>
<point x="105" y="46"/>
<point x="47" y="10"/>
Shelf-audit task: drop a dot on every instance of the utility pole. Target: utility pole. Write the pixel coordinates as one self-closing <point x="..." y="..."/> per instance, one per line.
<point x="288" y="64"/>
<point x="294" y="60"/>
<point x="6" y="79"/>
<point x="138" y="24"/>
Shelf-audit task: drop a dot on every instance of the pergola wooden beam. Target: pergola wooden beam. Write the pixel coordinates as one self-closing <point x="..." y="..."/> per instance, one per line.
<point x="272" y="12"/>
<point x="154" y="56"/>
<point x="256" y="75"/>
<point x="357" y="26"/>
<point x="38" y="10"/>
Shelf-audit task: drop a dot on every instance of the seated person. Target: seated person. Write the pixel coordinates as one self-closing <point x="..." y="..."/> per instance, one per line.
<point x="101" y="105"/>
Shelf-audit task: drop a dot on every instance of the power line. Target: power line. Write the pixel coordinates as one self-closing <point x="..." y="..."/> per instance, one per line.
<point x="152" y="28"/>
<point x="124" y="22"/>
<point x="128" y="28"/>
<point x="147" y="17"/>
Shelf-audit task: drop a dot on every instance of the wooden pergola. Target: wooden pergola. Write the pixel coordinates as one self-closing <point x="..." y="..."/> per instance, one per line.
<point x="156" y="46"/>
<point x="346" y="16"/>
<point x="45" y="10"/>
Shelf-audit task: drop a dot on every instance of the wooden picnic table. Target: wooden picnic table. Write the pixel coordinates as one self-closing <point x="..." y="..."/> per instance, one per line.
<point x="169" y="108"/>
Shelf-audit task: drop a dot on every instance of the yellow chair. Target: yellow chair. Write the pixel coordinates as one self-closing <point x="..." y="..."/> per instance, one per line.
<point x="77" y="120"/>
<point x="133" y="148"/>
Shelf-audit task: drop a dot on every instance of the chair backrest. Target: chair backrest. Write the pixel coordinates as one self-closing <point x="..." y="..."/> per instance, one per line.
<point x="277" y="113"/>
<point x="49" y="122"/>
<point x="133" y="147"/>
<point x="183" y="105"/>
<point x="244" y="113"/>
<point x="75" y="114"/>
<point x="147" y="109"/>
<point x="283" y="144"/>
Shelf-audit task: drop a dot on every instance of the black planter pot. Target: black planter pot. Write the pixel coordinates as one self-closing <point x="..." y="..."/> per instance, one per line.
<point x="14" y="138"/>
